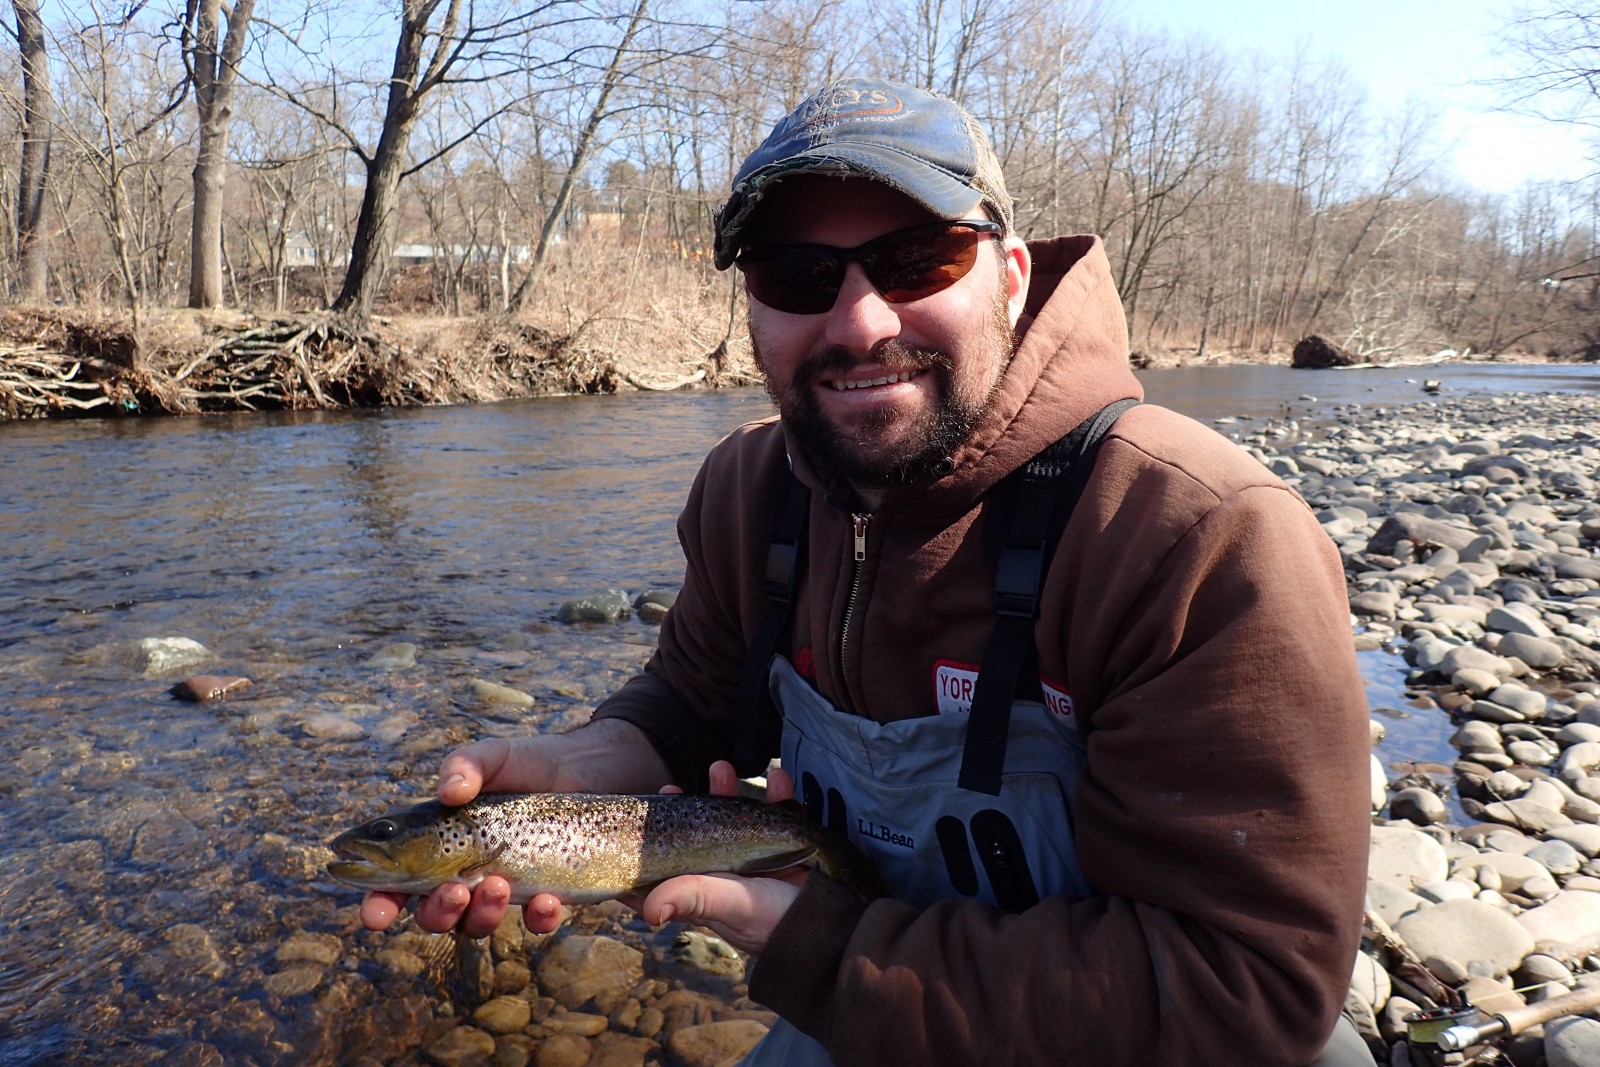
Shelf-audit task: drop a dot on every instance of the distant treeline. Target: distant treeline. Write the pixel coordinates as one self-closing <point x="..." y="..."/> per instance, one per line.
<point x="563" y="158"/>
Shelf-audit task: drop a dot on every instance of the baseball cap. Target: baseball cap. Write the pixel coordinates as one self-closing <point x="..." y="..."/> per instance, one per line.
<point x="924" y="145"/>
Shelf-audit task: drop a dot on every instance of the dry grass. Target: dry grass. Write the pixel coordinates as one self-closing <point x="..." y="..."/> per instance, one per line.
<point x="591" y="329"/>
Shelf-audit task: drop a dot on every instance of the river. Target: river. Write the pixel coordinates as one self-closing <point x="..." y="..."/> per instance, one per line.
<point x="158" y="855"/>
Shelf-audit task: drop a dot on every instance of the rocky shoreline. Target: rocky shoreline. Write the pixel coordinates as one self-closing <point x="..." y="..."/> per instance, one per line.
<point x="1469" y="531"/>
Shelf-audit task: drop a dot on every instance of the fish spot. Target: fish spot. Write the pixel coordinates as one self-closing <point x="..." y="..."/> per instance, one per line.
<point x="1240" y="837"/>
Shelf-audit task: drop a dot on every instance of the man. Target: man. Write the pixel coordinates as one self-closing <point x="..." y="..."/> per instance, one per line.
<point x="1159" y="858"/>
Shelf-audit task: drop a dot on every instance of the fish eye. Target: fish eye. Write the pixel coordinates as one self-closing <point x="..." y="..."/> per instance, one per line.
<point x="382" y="829"/>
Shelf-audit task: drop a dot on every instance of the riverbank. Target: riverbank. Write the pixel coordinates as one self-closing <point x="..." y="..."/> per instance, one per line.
<point x="58" y="362"/>
<point x="76" y="363"/>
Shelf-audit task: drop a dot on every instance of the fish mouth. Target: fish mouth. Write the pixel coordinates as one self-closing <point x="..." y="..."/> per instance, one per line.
<point x="362" y="873"/>
<point x="360" y="866"/>
<point x="354" y="872"/>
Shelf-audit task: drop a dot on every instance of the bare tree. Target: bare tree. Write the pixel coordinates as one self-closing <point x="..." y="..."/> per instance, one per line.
<point x="214" y="71"/>
<point x="581" y="149"/>
<point x="34" y="171"/>
<point x="1555" y="50"/>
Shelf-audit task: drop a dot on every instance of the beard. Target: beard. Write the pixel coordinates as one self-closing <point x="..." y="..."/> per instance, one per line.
<point x="869" y="454"/>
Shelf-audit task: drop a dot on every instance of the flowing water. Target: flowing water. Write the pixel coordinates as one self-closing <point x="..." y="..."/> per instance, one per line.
<point x="157" y="856"/>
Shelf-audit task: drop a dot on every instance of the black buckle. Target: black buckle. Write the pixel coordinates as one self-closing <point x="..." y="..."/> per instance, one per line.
<point x="782" y="559"/>
<point x="1018" y="573"/>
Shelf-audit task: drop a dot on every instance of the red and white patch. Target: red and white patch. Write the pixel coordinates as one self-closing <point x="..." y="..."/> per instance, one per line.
<point x="1056" y="698"/>
<point x="953" y="685"/>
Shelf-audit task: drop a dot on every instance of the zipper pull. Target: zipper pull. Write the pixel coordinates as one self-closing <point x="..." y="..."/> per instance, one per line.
<point x="859" y="522"/>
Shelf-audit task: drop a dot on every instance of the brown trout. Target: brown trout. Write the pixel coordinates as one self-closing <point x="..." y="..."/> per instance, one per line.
<point x="586" y="847"/>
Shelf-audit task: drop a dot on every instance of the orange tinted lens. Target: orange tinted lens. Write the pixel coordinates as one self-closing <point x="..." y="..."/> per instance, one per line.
<point x="922" y="264"/>
<point x="801" y="280"/>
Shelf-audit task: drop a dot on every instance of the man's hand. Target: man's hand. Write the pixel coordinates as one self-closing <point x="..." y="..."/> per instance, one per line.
<point x="493" y="765"/>
<point x="743" y="911"/>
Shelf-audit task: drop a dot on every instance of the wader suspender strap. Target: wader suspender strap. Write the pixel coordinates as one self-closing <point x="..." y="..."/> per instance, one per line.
<point x="1050" y="485"/>
<point x="757" y="717"/>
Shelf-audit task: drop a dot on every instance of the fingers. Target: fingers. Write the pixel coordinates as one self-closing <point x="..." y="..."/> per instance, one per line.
<point x="379" y="910"/>
<point x="475" y="913"/>
<point x="724" y="782"/>
<point x="542" y="914"/>
<point x="780" y="786"/>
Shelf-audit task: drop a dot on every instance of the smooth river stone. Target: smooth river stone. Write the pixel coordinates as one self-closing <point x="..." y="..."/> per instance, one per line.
<point x="582" y="968"/>
<point x="1566" y="917"/>
<point x="331" y="726"/>
<point x="1513" y="869"/>
<point x="1572" y="1042"/>
<point x="1418" y="805"/>
<point x="1526" y="815"/>
<point x="1532" y="704"/>
<point x="1558" y="857"/>
<point x="1585" y="838"/>
<point x="1537" y="653"/>
<point x="1467" y="930"/>
<point x="1404" y="858"/>
<point x="715" y="1043"/>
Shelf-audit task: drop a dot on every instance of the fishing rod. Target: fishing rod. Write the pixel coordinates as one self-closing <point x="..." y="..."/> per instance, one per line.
<point x="1513" y="1021"/>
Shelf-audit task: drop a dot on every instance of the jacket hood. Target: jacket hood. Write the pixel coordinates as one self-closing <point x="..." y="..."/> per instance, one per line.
<point x="1071" y="361"/>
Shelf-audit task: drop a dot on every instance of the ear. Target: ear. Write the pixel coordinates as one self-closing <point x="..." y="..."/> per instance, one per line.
<point x="1019" y="271"/>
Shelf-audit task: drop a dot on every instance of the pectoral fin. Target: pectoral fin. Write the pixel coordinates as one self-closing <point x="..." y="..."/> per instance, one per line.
<point x="768" y="864"/>
<point x="477" y="869"/>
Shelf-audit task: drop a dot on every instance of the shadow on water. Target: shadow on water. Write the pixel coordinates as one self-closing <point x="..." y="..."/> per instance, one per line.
<point x="161" y="859"/>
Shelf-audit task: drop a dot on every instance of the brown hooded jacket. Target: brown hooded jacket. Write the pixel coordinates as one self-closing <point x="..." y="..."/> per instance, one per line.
<point x="1197" y="614"/>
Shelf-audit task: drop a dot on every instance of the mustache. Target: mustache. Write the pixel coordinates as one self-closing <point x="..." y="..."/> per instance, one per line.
<point x="894" y="355"/>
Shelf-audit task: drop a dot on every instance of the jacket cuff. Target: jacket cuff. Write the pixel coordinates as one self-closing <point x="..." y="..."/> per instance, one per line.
<point x="796" y="974"/>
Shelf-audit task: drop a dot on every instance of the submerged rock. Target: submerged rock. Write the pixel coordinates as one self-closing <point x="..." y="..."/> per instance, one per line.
<point x="163" y="655"/>
<point x="395" y="657"/>
<point x="204" y="687"/>
<point x="607" y="605"/>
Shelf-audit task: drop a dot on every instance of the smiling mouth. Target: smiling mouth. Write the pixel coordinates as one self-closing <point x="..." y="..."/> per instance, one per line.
<point x="841" y="384"/>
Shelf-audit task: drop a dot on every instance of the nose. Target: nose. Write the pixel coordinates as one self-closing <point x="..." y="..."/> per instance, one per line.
<point x="861" y="317"/>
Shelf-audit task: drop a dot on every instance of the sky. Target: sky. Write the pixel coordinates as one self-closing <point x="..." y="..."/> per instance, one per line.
<point x="1399" y="51"/>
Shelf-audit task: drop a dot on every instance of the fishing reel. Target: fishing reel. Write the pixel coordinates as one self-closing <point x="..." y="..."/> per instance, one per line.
<point x="1428" y="1045"/>
<point x="1461" y="1036"/>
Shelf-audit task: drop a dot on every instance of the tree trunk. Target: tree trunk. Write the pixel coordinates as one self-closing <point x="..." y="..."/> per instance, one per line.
<point x="373" y="244"/>
<point x="214" y="76"/>
<point x="32" y="248"/>
<point x="580" y="156"/>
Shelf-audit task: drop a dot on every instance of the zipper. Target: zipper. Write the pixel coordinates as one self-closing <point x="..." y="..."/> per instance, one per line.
<point x="858" y="523"/>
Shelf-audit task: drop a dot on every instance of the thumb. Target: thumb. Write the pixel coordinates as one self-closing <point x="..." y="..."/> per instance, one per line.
<point x="464" y="771"/>
<point x="690" y="898"/>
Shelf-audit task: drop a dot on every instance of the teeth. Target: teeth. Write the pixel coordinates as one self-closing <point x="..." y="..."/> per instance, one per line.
<point x="842" y="385"/>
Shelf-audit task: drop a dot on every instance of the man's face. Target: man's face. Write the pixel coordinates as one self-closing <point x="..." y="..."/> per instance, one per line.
<point x="882" y="392"/>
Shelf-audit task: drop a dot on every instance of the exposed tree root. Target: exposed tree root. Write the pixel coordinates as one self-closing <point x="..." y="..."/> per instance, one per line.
<point x="57" y="362"/>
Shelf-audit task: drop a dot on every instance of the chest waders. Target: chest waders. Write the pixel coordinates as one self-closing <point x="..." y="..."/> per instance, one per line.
<point x="959" y="804"/>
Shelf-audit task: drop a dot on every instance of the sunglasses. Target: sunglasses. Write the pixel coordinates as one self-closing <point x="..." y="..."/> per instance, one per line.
<point x="902" y="266"/>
